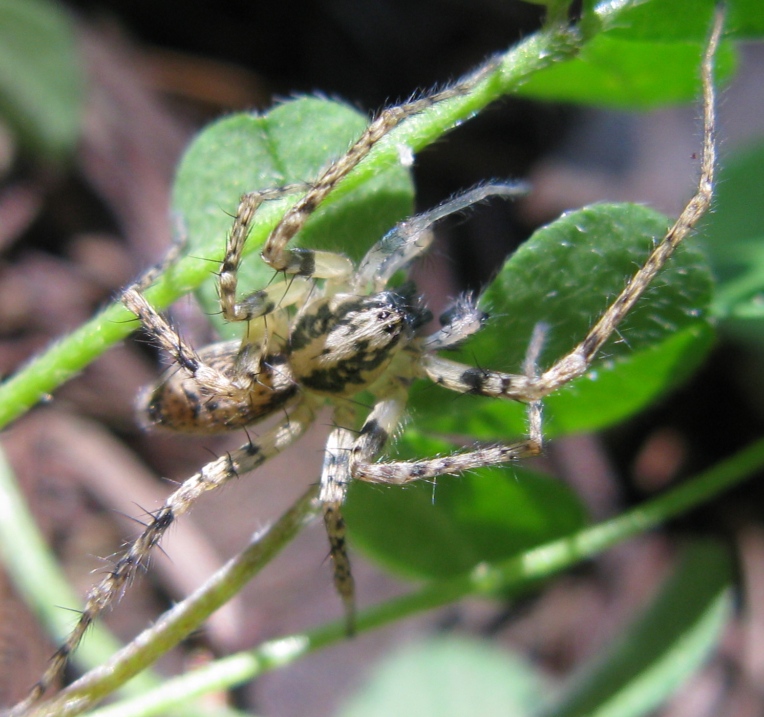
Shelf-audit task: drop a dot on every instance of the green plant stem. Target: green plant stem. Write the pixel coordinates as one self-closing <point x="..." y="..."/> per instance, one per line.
<point x="70" y="355"/>
<point x="187" y="616"/>
<point x="505" y="578"/>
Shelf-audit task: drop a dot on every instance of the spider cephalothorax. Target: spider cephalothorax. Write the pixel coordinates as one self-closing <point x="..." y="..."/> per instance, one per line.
<point x="342" y="344"/>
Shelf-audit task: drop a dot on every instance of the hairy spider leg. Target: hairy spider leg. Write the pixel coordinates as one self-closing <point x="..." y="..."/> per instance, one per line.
<point x="247" y="458"/>
<point x="410" y="238"/>
<point x="335" y="477"/>
<point x="352" y="455"/>
<point x="307" y="262"/>
<point x="375" y="434"/>
<point x="251" y="306"/>
<point x="184" y="355"/>
<point x="467" y="379"/>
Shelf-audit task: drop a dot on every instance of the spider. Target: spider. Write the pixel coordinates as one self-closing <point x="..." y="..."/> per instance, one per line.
<point x="328" y="331"/>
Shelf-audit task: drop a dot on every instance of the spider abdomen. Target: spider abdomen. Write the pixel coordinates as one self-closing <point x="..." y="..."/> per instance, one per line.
<point x="257" y="385"/>
<point x="341" y="344"/>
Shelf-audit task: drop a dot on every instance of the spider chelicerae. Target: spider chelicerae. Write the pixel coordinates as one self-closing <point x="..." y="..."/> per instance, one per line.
<point x="328" y="330"/>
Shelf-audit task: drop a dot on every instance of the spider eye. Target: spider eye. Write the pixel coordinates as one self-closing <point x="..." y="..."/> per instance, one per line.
<point x="383" y="315"/>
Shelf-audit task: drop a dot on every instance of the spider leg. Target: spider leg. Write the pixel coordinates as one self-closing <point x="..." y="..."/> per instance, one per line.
<point x="403" y="472"/>
<point x="229" y="268"/>
<point x="208" y="377"/>
<point x="350" y="455"/>
<point x="466" y="379"/>
<point x="265" y="301"/>
<point x="179" y="242"/>
<point x="411" y="238"/>
<point x="463" y="378"/>
<point x="577" y="362"/>
<point x="344" y="449"/>
<point x="400" y="247"/>
<point x="335" y="477"/>
<point x="580" y="358"/>
<point x="212" y="476"/>
<point x="385" y="417"/>
<point x="307" y="262"/>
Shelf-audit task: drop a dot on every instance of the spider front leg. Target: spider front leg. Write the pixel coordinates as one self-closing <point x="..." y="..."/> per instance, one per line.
<point x="319" y="265"/>
<point x="350" y="455"/>
<point x="306" y="262"/>
<point x="411" y="238"/>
